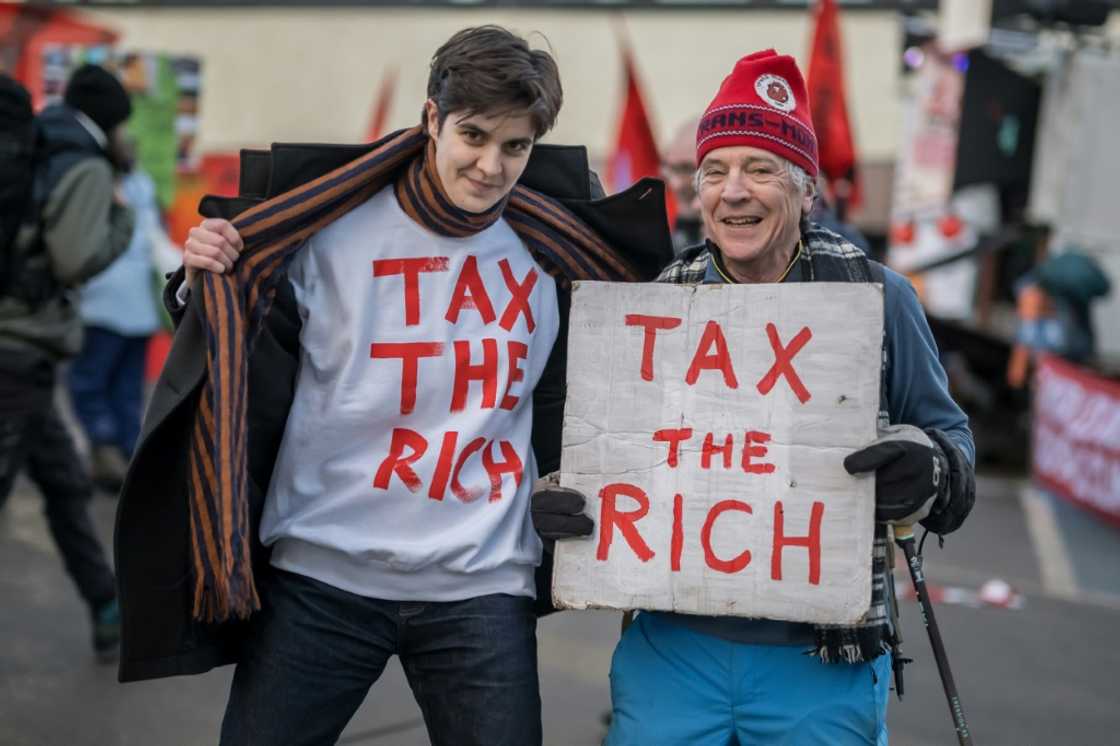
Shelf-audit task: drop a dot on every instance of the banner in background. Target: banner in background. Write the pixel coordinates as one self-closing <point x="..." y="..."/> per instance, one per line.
<point x="828" y="103"/>
<point x="926" y="214"/>
<point x="635" y="153"/>
<point x="927" y="154"/>
<point x="381" y="106"/>
<point x="1076" y="434"/>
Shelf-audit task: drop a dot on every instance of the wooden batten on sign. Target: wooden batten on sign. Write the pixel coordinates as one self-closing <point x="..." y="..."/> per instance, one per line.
<point x="707" y="426"/>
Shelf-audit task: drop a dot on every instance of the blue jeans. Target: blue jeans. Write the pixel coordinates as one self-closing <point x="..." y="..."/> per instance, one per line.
<point x="673" y="685"/>
<point x="314" y="651"/>
<point x="107" y="387"/>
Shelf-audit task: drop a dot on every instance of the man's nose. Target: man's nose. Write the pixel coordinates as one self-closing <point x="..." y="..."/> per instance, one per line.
<point x="735" y="189"/>
<point x="490" y="162"/>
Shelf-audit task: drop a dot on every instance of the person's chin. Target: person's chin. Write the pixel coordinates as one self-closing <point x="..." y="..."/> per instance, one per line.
<point x="740" y="249"/>
<point x="475" y="202"/>
<point x="468" y="204"/>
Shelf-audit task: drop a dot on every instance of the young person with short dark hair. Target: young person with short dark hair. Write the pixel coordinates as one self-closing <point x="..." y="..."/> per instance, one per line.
<point x="368" y="378"/>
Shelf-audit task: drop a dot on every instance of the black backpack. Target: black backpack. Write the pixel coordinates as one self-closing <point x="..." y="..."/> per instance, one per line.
<point x="18" y="142"/>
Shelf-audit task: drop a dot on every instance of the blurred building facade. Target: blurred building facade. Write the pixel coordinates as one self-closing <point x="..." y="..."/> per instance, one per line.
<point x="311" y="74"/>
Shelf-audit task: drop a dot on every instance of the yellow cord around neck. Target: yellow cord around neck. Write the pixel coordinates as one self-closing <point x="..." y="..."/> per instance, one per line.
<point x="718" y="262"/>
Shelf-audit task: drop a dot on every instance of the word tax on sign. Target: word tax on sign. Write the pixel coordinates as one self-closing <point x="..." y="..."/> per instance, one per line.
<point x="707" y="426"/>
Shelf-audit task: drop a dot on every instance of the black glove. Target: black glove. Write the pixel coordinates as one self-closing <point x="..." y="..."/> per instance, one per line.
<point x="558" y="514"/>
<point x="911" y="474"/>
<point x="948" y="517"/>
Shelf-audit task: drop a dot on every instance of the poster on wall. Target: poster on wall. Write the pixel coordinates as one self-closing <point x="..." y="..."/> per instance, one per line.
<point x="165" y="92"/>
<point x="707" y="427"/>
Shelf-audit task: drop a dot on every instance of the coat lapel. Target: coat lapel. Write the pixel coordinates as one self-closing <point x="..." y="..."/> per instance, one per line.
<point x="182" y="372"/>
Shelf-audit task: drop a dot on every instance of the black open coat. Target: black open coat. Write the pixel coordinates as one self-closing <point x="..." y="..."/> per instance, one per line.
<point x="152" y="545"/>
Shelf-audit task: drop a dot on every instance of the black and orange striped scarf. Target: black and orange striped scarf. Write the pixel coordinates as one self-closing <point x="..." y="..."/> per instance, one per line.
<point x="236" y="303"/>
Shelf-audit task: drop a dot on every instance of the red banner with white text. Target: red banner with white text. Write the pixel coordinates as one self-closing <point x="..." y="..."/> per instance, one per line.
<point x="1076" y="434"/>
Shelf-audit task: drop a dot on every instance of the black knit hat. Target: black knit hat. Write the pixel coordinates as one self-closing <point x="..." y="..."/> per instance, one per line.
<point x="98" y="94"/>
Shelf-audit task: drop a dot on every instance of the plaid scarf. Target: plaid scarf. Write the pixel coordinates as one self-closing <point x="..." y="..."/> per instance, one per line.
<point x="236" y="303"/>
<point x="828" y="257"/>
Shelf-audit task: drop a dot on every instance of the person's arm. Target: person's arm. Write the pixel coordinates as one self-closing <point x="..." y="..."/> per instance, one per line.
<point x="918" y="395"/>
<point x="176" y="293"/>
<point x="166" y="255"/>
<point x="917" y="386"/>
<point x="84" y="228"/>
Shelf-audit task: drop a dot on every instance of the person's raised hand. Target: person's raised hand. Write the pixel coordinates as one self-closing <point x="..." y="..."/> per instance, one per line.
<point x="212" y="246"/>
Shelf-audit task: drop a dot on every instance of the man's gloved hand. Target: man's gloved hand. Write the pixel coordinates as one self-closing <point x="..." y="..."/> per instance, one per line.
<point x="558" y="513"/>
<point x="911" y="474"/>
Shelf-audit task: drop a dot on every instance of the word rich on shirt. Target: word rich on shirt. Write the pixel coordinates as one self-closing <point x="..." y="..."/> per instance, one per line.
<point x="406" y="464"/>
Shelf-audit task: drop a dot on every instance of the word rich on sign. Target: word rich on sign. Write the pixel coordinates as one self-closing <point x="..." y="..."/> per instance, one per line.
<point x="708" y="426"/>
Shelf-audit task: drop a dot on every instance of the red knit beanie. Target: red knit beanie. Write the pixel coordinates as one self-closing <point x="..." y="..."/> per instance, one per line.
<point x="763" y="104"/>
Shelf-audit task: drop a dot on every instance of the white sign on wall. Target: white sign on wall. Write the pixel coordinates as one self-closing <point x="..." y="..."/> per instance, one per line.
<point x="707" y="427"/>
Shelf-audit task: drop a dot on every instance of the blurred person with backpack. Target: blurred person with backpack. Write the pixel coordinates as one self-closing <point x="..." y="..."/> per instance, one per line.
<point x="61" y="225"/>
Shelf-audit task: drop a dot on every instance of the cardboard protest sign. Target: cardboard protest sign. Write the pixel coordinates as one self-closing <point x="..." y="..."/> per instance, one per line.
<point x="707" y="426"/>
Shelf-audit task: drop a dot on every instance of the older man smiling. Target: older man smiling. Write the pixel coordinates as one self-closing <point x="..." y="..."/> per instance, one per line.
<point x="678" y="679"/>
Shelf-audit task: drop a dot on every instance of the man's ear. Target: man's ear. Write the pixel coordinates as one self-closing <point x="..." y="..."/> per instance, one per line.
<point x="809" y="198"/>
<point x="431" y="112"/>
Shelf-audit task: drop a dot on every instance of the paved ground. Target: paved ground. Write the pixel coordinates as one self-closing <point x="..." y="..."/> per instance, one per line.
<point x="1044" y="674"/>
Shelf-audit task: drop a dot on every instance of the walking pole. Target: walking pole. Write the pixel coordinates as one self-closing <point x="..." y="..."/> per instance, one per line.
<point x="904" y="537"/>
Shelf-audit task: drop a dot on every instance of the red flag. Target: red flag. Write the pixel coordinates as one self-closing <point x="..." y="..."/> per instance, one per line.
<point x="381" y="106"/>
<point x="830" y="112"/>
<point x="635" y="152"/>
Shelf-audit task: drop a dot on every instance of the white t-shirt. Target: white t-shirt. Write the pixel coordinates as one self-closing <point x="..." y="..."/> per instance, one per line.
<point x="406" y="466"/>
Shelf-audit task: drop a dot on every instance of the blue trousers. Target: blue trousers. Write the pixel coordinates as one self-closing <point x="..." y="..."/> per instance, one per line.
<point x="671" y="685"/>
<point x="314" y="651"/>
<point x="107" y="387"/>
